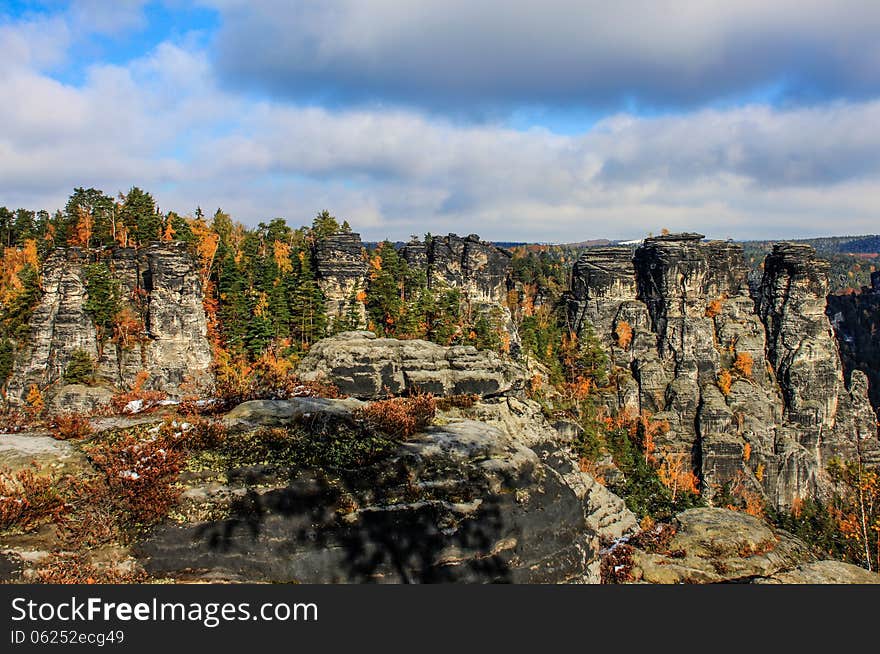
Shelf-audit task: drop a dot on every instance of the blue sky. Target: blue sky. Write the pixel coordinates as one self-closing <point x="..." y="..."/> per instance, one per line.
<point x="555" y="121"/>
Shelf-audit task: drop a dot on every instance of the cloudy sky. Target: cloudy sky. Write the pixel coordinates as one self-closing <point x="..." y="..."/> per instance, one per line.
<point x="559" y="120"/>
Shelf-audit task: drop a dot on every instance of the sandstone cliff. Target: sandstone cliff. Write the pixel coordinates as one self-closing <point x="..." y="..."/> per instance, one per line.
<point x="752" y="388"/>
<point x="160" y="285"/>
<point x="481" y="270"/>
<point x="342" y="270"/>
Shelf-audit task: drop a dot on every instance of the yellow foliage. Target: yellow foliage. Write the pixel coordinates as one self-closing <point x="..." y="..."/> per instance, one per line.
<point x="11" y="266"/>
<point x="281" y="254"/>
<point x="34" y="400"/>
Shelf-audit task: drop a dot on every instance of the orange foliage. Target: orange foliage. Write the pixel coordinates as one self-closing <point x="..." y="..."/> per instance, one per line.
<point x="82" y="231"/>
<point x="140" y="475"/>
<point x="70" y="426"/>
<point x="168" y="232"/>
<point x="34" y="403"/>
<point x="128" y="329"/>
<point x="11" y="266"/>
<point x="281" y="254"/>
<point x="375" y="266"/>
<point x="676" y="474"/>
<point x="148" y="398"/>
<point x="28" y="499"/>
<point x="400" y="417"/>
<point x="744" y="363"/>
<point x="747" y="452"/>
<point x="713" y="308"/>
<point x="623" y="333"/>
<point x="725" y="381"/>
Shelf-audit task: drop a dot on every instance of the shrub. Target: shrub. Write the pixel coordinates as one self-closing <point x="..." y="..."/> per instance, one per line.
<point x="623" y="334"/>
<point x="70" y="426"/>
<point x="34" y="403"/>
<point x="140" y="475"/>
<point x="617" y="564"/>
<point x="137" y="399"/>
<point x="270" y="377"/>
<point x="80" y="369"/>
<point x="725" y="381"/>
<point x="74" y="568"/>
<point x="743" y="364"/>
<point x="713" y="308"/>
<point x="27" y="499"/>
<point x="400" y="417"/>
<point x="456" y="402"/>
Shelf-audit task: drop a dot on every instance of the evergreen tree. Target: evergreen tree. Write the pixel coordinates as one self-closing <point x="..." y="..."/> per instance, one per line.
<point x="308" y="312"/>
<point x="384" y="297"/>
<point x="324" y="225"/>
<point x="100" y="210"/>
<point x="103" y="302"/>
<point x="139" y="216"/>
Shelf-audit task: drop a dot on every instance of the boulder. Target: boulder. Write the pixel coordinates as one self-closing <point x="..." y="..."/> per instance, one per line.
<point x="19" y="451"/>
<point x="463" y="501"/>
<point x="366" y="367"/>
<point x="78" y="398"/>
<point x="714" y="545"/>
<point x="823" y="572"/>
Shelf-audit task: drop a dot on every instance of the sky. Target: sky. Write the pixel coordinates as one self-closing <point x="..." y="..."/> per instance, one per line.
<point x="551" y="121"/>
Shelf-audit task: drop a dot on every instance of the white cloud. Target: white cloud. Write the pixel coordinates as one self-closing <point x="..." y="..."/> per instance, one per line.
<point x="463" y="55"/>
<point x="161" y="122"/>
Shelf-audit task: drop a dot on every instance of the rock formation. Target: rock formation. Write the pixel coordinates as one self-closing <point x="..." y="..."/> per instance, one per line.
<point x="481" y="270"/>
<point x="466" y="501"/>
<point x="721" y="546"/>
<point x="342" y="269"/>
<point x="856" y="321"/>
<point x="367" y="367"/>
<point x="160" y="283"/>
<point x="752" y="388"/>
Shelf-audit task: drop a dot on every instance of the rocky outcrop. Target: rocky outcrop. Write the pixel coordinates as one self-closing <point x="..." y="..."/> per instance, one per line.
<point x="481" y="270"/>
<point x="365" y="366"/>
<point x="463" y="501"/>
<point x="341" y="269"/>
<point x="720" y="546"/>
<point x="160" y="285"/>
<point x="751" y="388"/>
<point x="856" y="322"/>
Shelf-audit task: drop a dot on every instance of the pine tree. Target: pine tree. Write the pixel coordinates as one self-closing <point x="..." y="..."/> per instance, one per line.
<point x="384" y="299"/>
<point x="307" y="308"/>
<point x="139" y="216"/>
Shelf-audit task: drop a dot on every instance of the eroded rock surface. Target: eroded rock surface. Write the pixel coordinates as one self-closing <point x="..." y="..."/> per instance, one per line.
<point x="161" y="282"/>
<point x="462" y="501"/>
<point x="752" y="388"/>
<point x="365" y="366"/>
<point x="712" y="545"/>
<point x="342" y="268"/>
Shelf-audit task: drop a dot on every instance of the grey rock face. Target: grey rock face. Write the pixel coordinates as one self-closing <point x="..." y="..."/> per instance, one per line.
<point x="606" y="513"/>
<point x="78" y="398"/>
<point x="752" y="389"/>
<point x="367" y="367"/>
<point x="856" y="322"/>
<point x="465" y="501"/>
<point x="823" y="572"/>
<point x="722" y="546"/>
<point x="163" y="278"/>
<point x="481" y="270"/>
<point x="342" y="270"/>
<point x="718" y="545"/>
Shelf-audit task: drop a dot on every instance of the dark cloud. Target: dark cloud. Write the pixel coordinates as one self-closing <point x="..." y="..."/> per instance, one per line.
<point x="464" y="55"/>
